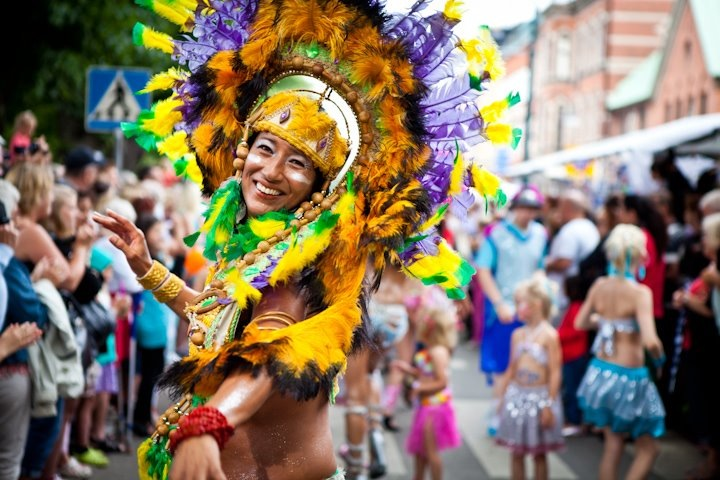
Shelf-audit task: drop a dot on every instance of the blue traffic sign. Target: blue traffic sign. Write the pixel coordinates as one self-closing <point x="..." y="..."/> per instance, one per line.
<point x="111" y="97"/>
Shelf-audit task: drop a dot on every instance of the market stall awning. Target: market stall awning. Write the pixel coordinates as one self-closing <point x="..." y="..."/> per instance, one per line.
<point x="649" y="140"/>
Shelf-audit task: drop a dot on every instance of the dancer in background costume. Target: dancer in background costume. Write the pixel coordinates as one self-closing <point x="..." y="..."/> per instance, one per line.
<point x="617" y="393"/>
<point x="325" y="133"/>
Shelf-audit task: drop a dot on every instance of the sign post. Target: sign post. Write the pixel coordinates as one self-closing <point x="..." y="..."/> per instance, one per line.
<point x="111" y="98"/>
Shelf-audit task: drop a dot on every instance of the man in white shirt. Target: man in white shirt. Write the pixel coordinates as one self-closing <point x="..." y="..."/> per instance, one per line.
<point x="575" y="240"/>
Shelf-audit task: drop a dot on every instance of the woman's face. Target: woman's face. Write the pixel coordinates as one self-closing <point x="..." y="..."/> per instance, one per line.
<point x="276" y="176"/>
<point x="155" y="237"/>
<point x="69" y="214"/>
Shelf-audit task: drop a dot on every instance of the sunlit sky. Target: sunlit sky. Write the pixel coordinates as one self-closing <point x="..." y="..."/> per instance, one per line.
<point x="494" y="13"/>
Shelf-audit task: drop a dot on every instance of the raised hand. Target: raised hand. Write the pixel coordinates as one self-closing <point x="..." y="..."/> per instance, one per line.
<point x="129" y="239"/>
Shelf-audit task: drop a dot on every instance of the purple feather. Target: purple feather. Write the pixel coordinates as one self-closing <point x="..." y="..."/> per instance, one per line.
<point x="262" y="280"/>
<point x="461" y="203"/>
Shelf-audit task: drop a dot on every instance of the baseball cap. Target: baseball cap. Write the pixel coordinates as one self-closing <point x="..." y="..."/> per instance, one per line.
<point x="82" y="156"/>
<point x="528" y="197"/>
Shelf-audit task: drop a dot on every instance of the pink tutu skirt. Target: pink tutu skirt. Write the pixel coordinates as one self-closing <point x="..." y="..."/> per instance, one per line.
<point x="444" y="426"/>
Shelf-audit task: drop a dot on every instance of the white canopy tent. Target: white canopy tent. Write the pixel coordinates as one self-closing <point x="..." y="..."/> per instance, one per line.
<point x="635" y="148"/>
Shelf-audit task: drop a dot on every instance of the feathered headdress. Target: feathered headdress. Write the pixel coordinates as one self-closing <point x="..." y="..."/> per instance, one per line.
<point x="406" y="88"/>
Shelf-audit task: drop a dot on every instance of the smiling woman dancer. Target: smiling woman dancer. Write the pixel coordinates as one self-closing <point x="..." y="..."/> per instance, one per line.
<point x="326" y="133"/>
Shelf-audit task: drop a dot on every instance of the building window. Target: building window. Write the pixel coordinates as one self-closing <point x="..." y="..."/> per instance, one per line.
<point x="691" y="106"/>
<point x="703" y="103"/>
<point x="687" y="48"/>
<point x="678" y="108"/>
<point x="668" y="112"/>
<point x="563" y="56"/>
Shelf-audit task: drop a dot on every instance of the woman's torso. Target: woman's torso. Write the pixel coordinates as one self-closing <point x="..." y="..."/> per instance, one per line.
<point x="284" y="440"/>
<point x="616" y="305"/>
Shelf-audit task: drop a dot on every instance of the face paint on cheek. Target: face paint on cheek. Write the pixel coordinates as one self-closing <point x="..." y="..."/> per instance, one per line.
<point x="300" y="176"/>
<point x="253" y="158"/>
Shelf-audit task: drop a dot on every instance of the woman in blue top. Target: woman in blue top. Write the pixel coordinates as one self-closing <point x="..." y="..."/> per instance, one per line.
<point x="617" y="393"/>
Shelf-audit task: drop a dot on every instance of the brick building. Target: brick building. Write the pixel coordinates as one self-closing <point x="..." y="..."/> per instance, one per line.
<point x="582" y="51"/>
<point x="680" y="79"/>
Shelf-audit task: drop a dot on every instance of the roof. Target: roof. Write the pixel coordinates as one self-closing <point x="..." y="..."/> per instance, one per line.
<point x="640" y="83"/>
<point x="638" y="86"/>
<point x="649" y="140"/>
<point x="706" y="14"/>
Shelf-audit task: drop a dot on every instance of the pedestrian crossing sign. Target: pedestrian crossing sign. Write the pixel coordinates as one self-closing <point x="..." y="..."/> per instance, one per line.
<point x="111" y="97"/>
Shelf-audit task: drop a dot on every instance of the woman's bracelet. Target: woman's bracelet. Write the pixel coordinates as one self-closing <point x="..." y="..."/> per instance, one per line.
<point x="154" y="277"/>
<point x="169" y="288"/>
<point x="202" y="420"/>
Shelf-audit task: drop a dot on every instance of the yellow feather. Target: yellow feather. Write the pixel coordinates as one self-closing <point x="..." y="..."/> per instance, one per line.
<point x="457" y="175"/>
<point x="453" y="9"/>
<point x="322" y="340"/>
<point x="444" y="263"/>
<point x="265" y="228"/>
<point x="174" y="146"/>
<point x="161" y="41"/>
<point x="174" y="12"/>
<point x="300" y="255"/>
<point x="165" y="118"/>
<point x="492" y="112"/>
<point x="499" y="133"/>
<point x="164" y="80"/>
<point x="484" y="182"/>
<point x="242" y="292"/>
<point x="193" y="171"/>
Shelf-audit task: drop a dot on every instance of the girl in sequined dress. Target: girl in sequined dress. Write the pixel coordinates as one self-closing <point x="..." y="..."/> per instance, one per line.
<point x="434" y="427"/>
<point x="531" y="416"/>
<point x="617" y="393"/>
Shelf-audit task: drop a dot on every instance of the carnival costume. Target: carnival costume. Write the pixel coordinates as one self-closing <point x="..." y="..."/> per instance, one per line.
<point x="622" y="398"/>
<point x="437" y="409"/>
<point x="383" y="105"/>
<point x="519" y="428"/>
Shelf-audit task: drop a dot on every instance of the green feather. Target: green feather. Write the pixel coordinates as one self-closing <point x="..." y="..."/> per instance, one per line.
<point x="221" y="217"/>
<point x="191" y="239"/>
<point x="349" y="181"/>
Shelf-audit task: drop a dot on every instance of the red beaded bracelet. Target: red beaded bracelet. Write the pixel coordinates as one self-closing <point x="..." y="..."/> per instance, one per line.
<point x="202" y="421"/>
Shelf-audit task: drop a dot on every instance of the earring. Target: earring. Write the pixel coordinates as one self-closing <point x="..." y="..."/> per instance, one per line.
<point x="641" y="272"/>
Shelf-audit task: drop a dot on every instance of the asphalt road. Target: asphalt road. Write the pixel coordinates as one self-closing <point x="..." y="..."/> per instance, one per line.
<point x="478" y="458"/>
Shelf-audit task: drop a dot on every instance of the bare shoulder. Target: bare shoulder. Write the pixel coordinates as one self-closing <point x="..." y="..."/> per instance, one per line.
<point x="642" y="289"/>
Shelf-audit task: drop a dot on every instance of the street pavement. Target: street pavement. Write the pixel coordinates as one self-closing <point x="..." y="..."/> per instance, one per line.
<point x="478" y="458"/>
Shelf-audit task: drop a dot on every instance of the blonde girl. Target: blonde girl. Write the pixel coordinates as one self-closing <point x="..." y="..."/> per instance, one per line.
<point x="434" y="427"/>
<point x="531" y="416"/>
<point x="617" y="393"/>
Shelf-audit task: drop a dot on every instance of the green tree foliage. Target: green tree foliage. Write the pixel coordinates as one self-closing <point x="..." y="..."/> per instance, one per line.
<point x="46" y="63"/>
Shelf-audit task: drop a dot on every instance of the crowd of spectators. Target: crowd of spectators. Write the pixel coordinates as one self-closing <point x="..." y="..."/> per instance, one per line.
<point x="81" y="346"/>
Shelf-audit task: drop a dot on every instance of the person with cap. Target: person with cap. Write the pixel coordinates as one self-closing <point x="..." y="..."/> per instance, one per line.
<point x="82" y="165"/>
<point x="513" y="250"/>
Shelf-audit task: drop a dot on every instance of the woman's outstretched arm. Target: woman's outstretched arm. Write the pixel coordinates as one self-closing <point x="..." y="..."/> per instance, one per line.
<point x="130" y="240"/>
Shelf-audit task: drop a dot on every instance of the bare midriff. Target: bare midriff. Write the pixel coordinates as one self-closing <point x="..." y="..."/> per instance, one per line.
<point x="628" y="350"/>
<point x="284" y="440"/>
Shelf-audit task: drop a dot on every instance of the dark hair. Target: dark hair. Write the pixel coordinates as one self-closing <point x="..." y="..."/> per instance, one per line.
<point x="649" y="218"/>
<point x="146" y="221"/>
